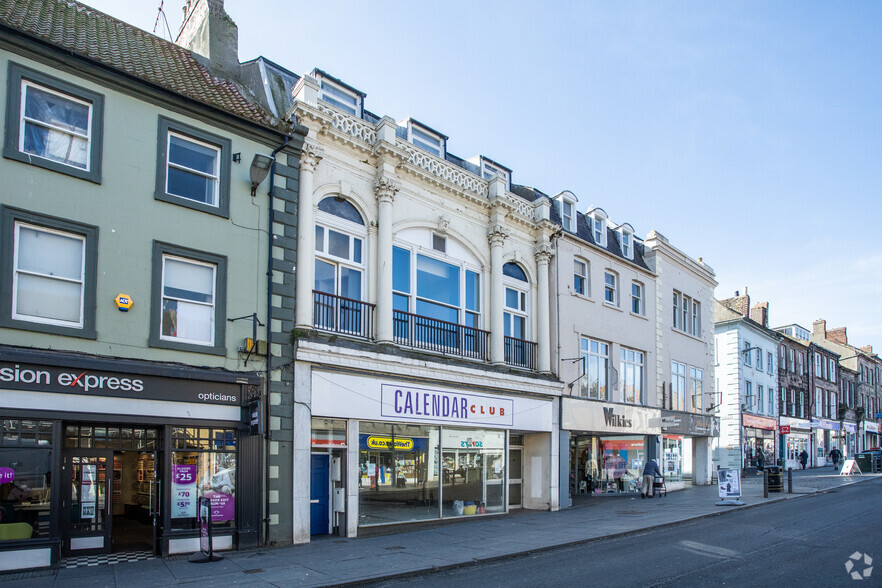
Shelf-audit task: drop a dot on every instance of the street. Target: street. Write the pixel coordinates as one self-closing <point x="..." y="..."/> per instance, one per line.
<point x="796" y="542"/>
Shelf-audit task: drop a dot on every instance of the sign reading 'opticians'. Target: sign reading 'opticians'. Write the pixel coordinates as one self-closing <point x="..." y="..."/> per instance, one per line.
<point x="427" y="405"/>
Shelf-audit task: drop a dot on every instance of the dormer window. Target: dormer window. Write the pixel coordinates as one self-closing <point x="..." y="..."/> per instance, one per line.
<point x="565" y="203"/>
<point x="626" y="237"/>
<point x="597" y="219"/>
<point x="339" y="95"/>
<point x="426" y="138"/>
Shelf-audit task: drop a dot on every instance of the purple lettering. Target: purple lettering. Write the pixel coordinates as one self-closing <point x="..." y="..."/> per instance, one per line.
<point x="397" y="396"/>
<point x="464" y="408"/>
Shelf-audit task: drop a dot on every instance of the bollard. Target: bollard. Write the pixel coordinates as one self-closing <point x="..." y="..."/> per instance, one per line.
<point x="765" y="483"/>
<point x="789" y="480"/>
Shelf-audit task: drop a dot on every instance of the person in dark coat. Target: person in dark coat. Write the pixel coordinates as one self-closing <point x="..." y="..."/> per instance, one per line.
<point x="760" y="460"/>
<point x="650" y="472"/>
<point x="803" y="458"/>
<point x="835" y="456"/>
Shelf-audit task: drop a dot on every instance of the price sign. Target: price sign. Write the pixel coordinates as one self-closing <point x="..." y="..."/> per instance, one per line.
<point x="88" y="483"/>
<point x="183" y="491"/>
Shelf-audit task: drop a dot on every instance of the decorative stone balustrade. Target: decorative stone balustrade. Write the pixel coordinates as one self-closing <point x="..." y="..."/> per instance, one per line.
<point x="350" y="125"/>
<point x="444" y="170"/>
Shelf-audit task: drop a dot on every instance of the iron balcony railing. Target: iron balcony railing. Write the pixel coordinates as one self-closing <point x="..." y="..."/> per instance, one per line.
<point x="437" y="335"/>
<point x="520" y="353"/>
<point x="343" y="315"/>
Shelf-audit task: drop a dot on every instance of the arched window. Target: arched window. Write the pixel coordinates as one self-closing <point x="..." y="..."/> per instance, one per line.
<point x="339" y="266"/>
<point x="516" y="316"/>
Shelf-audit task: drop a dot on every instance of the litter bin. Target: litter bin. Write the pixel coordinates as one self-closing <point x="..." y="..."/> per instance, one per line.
<point x="865" y="462"/>
<point x="776" y="478"/>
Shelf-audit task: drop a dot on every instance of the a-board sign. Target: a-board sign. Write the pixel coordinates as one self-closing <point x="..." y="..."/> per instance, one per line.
<point x="849" y="468"/>
<point x="729" y="483"/>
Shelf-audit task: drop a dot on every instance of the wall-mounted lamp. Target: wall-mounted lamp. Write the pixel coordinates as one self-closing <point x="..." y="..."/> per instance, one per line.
<point x="260" y="167"/>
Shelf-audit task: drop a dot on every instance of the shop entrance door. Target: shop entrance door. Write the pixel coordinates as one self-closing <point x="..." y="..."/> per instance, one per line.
<point x="320" y="494"/>
<point x="135" y="501"/>
<point x="515" y="473"/>
<point x="86" y="521"/>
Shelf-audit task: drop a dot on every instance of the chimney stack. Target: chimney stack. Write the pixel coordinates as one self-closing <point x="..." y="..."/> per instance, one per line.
<point x="838" y="335"/>
<point x="819" y="329"/>
<point x="868" y="349"/>
<point x="210" y="32"/>
<point x="740" y="303"/>
<point x="760" y="314"/>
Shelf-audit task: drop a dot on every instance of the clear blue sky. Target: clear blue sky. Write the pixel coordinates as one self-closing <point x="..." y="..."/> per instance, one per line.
<point x="747" y="133"/>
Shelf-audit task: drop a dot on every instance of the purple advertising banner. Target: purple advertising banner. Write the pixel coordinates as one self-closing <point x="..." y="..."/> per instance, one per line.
<point x="223" y="506"/>
<point x="6" y="475"/>
<point x="183" y="504"/>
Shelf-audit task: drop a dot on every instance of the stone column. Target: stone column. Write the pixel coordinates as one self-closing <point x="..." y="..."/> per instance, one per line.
<point x="544" y="253"/>
<point x="303" y="303"/>
<point x="385" y="188"/>
<point x="496" y="236"/>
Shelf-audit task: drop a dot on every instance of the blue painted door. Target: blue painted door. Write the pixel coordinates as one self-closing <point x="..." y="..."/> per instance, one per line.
<point x="319" y="495"/>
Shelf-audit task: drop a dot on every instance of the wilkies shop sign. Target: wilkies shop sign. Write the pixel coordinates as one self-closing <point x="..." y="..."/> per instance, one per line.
<point x="410" y="403"/>
<point x="92" y="382"/>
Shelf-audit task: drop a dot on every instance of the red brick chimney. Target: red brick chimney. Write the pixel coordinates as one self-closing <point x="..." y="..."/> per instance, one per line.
<point x="760" y="313"/>
<point x="838" y="335"/>
<point x="868" y="349"/>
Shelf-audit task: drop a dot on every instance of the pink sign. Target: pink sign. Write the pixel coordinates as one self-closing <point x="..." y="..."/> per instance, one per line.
<point x="6" y="475"/>
<point x="223" y="506"/>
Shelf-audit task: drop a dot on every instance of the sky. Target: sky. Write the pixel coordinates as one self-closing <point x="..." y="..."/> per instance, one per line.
<point x="747" y="133"/>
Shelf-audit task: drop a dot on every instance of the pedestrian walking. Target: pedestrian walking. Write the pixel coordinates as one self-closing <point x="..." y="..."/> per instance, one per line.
<point x="650" y="471"/>
<point x="803" y="458"/>
<point x="760" y="460"/>
<point x="835" y="456"/>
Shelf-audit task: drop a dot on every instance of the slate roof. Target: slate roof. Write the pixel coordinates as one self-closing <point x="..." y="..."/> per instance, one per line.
<point x="92" y="34"/>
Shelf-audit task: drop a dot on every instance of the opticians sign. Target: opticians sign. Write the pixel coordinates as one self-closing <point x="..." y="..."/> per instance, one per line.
<point x="74" y="379"/>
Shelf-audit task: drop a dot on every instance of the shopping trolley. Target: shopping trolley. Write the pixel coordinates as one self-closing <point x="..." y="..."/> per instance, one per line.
<point x="658" y="486"/>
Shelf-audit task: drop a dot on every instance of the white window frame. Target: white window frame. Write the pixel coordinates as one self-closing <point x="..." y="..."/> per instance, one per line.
<point x="696" y="380"/>
<point x="212" y="305"/>
<point x="330" y="222"/>
<point x="747" y="359"/>
<point x="23" y="120"/>
<point x="214" y="177"/>
<point x="638" y="298"/>
<point x="426" y="139"/>
<point x="583" y="276"/>
<point x="748" y="394"/>
<point x="760" y="398"/>
<point x="18" y="272"/>
<point x="567" y="215"/>
<point x="510" y="313"/>
<point x="770" y="358"/>
<point x="677" y="302"/>
<point x="631" y="365"/>
<point x="613" y="289"/>
<point x="759" y="359"/>
<point x="627" y="244"/>
<point x="335" y="94"/>
<point x="598" y="229"/>
<point x="599" y="350"/>
<point x="678" y="386"/>
<point x="696" y="318"/>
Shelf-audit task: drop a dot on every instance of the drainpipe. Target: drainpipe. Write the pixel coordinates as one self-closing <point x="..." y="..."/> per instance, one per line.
<point x="269" y="353"/>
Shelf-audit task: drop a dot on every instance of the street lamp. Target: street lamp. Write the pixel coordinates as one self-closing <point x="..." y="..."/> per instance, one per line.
<point x="260" y="167"/>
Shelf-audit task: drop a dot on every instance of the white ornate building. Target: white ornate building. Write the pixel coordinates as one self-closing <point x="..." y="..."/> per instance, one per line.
<point x="423" y="386"/>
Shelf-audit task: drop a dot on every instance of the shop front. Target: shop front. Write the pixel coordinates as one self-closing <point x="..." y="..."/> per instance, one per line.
<point x="758" y="435"/>
<point x="424" y="452"/>
<point x="870" y="435"/>
<point x="795" y="438"/>
<point x="825" y="436"/>
<point x="608" y="446"/>
<point x="686" y="441"/>
<point x="101" y="456"/>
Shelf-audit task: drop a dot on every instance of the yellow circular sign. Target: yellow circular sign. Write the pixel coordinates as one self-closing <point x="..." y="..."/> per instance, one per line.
<point x="123" y="302"/>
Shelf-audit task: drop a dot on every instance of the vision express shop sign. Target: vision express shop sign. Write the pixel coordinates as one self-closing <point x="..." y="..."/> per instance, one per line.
<point x="66" y="380"/>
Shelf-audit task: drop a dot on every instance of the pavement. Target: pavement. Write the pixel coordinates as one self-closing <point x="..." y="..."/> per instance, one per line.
<point x="335" y="561"/>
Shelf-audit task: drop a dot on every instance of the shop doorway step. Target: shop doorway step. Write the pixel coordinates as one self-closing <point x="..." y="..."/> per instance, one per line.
<point x="81" y="561"/>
